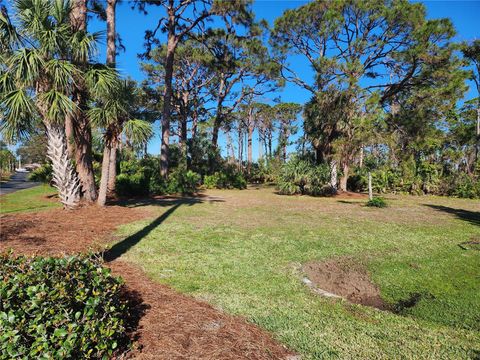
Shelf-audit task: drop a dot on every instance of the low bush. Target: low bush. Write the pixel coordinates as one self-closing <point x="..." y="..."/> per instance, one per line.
<point x="136" y="184"/>
<point x="59" y="308"/>
<point x="42" y="174"/>
<point x="377" y="202"/>
<point x="183" y="181"/>
<point x="229" y="178"/>
<point x="301" y="177"/>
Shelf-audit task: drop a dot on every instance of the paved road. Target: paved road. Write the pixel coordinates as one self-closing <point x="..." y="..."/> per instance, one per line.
<point x="17" y="181"/>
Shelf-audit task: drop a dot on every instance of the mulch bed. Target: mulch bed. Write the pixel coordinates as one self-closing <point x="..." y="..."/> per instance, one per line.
<point x="167" y="325"/>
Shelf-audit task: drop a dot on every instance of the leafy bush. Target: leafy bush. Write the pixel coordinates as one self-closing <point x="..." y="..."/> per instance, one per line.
<point x="377" y="202"/>
<point x="465" y="187"/>
<point x="301" y="177"/>
<point x="132" y="185"/>
<point x="42" y="174"/>
<point x="183" y="181"/>
<point x="59" y="308"/>
<point x="229" y="178"/>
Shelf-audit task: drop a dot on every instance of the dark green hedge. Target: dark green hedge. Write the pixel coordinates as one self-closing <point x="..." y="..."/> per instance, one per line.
<point x="60" y="308"/>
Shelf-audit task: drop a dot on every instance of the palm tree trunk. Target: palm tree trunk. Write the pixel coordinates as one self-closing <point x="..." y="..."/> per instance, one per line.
<point x="112" y="165"/>
<point x="102" y="192"/>
<point x="64" y="177"/>
<point x="82" y="132"/>
<point x="107" y="180"/>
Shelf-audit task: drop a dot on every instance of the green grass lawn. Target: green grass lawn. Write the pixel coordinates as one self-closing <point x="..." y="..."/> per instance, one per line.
<point x="243" y="254"/>
<point x="32" y="199"/>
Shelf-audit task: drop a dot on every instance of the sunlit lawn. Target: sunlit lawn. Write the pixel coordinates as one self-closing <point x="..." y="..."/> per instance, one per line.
<point x="32" y="199"/>
<point x="243" y="254"/>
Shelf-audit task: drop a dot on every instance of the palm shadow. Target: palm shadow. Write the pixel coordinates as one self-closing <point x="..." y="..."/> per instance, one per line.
<point x="123" y="246"/>
<point x="473" y="217"/>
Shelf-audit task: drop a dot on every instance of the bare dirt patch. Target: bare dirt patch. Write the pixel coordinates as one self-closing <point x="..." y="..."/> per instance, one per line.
<point x="163" y="324"/>
<point x="345" y="279"/>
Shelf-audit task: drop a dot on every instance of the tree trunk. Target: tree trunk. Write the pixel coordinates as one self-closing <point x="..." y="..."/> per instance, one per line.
<point x="249" y="141"/>
<point x="333" y="175"/>
<point x="370" y="192"/>
<point x="64" y="177"/>
<point x="344" y="178"/>
<point x="112" y="166"/>
<point x="477" y="147"/>
<point x="102" y="192"/>
<point x="168" y="92"/>
<point x="111" y="140"/>
<point x="79" y="124"/>
<point x="360" y="159"/>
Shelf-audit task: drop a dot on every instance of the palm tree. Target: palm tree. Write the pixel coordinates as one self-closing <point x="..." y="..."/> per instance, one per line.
<point x="37" y="75"/>
<point x="115" y="112"/>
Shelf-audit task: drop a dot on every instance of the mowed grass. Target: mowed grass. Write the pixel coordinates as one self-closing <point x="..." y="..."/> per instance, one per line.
<point x="32" y="199"/>
<point x="242" y="252"/>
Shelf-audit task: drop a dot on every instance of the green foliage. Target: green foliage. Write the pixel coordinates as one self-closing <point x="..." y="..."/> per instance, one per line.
<point x="142" y="177"/>
<point x="377" y="202"/>
<point x="183" y="181"/>
<point x="132" y="184"/>
<point x="42" y="174"/>
<point x="301" y="177"/>
<point x="228" y="178"/>
<point x="59" y="308"/>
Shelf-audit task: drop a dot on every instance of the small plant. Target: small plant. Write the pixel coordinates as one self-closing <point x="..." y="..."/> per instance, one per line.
<point x="42" y="174"/>
<point x="59" y="308"/>
<point x="377" y="202"/>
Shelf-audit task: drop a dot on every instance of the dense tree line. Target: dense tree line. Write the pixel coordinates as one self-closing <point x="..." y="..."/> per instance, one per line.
<point x="387" y="96"/>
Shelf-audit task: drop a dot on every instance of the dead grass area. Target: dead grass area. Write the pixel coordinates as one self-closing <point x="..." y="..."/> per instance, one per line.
<point x="166" y="324"/>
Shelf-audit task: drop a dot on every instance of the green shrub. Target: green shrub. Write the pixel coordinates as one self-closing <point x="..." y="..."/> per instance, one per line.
<point x="136" y="184"/>
<point x="42" y="174"/>
<point x="59" y="308"/>
<point x="183" y="181"/>
<point x="377" y="202"/>
<point x="301" y="177"/>
<point x="466" y="187"/>
<point x="229" y="178"/>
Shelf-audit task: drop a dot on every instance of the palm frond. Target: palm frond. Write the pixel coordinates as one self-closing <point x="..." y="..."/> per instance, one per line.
<point x="61" y="72"/>
<point x="17" y="109"/>
<point x="138" y="131"/>
<point x="101" y="80"/>
<point x="26" y="65"/>
<point x="58" y="104"/>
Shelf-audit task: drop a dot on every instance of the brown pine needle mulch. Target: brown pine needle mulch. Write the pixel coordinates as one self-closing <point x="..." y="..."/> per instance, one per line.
<point x="168" y="325"/>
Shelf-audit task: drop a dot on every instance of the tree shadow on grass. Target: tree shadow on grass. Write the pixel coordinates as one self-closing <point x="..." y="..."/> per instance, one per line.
<point x="473" y="217"/>
<point x="123" y="246"/>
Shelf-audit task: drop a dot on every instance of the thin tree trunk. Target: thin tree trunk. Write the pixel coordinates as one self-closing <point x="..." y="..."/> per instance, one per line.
<point x="333" y="175"/>
<point x="477" y="148"/>
<point x="370" y="192"/>
<point x="168" y="92"/>
<point x="344" y="178"/>
<point x="102" y="192"/>
<point x="249" y="141"/>
<point x="107" y="181"/>
<point x="360" y="160"/>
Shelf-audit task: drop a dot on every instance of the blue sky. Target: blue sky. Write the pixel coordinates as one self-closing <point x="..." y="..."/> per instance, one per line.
<point x="131" y="26"/>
